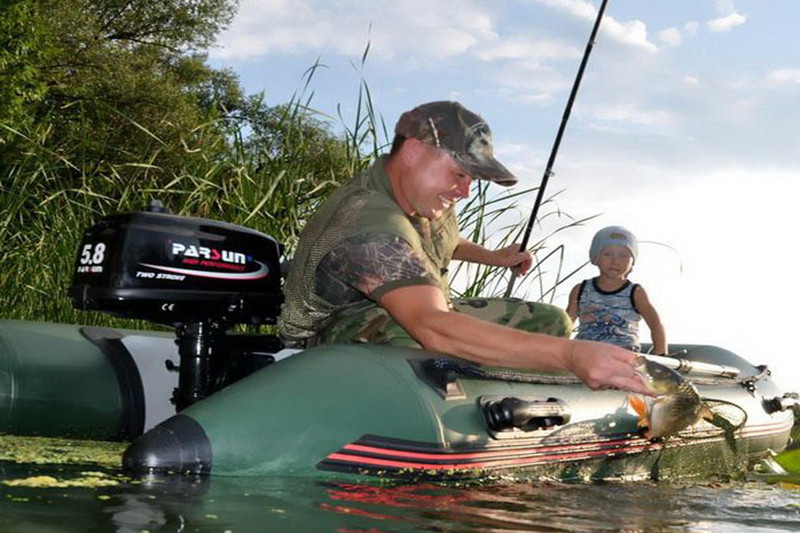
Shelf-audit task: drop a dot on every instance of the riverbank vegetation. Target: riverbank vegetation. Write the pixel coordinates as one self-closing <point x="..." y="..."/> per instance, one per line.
<point x="110" y="105"/>
<point x="107" y="105"/>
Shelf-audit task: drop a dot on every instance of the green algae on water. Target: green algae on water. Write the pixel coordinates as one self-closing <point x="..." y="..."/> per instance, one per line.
<point x="46" y="450"/>
<point x="88" y="480"/>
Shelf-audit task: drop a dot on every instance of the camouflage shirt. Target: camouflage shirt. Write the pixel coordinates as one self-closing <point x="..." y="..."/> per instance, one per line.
<point x="357" y="247"/>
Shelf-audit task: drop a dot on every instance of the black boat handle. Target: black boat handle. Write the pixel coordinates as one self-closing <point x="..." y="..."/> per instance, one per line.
<point x="527" y="415"/>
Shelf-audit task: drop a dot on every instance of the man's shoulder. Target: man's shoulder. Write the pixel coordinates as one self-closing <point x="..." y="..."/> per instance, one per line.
<point x="380" y="213"/>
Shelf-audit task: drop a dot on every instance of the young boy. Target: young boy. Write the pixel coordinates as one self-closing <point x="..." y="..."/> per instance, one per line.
<point x="609" y="307"/>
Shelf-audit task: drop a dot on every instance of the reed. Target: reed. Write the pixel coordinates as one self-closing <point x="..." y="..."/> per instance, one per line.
<point x="268" y="174"/>
<point x="47" y="200"/>
<point x="496" y="220"/>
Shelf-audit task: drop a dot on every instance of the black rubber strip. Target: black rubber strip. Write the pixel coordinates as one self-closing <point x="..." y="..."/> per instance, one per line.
<point x="132" y="414"/>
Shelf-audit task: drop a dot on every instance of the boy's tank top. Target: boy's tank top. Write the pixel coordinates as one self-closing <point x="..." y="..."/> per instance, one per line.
<point x="608" y="316"/>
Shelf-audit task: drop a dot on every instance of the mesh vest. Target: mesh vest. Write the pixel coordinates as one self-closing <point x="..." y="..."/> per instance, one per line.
<point x="363" y="205"/>
<point x="608" y="316"/>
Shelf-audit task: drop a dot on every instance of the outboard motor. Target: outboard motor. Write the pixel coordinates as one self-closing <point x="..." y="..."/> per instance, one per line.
<point x="199" y="276"/>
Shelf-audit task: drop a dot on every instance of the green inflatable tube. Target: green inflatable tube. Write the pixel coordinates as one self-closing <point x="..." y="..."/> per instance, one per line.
<point x="59" y="380"/>
<point x="377" y="410"/>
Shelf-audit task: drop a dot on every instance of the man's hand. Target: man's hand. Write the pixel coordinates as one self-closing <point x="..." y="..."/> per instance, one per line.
<point x="510" y="256"/>
<point x="604" y="366"/>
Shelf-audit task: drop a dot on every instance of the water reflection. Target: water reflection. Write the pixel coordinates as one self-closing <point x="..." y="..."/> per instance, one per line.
<point x="285" y="504"/>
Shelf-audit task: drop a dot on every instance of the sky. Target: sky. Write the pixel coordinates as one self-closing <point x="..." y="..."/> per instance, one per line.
<point x="684" y="130"/>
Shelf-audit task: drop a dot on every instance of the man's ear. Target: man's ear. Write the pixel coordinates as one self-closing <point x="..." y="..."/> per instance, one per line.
<point x="411" y="150"/>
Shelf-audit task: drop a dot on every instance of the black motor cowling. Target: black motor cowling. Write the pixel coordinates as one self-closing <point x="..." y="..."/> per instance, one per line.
<point x="200" y="276"/>
<point x="172" y="269"/>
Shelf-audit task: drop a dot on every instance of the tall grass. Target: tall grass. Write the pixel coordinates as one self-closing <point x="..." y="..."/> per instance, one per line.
<point x="270" y="182"/>
<point x="498" y="220"/>
<point x="47" y="200"/>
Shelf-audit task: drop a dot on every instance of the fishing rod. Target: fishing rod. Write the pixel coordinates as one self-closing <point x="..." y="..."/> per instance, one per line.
<point x="549" y="169"/>
<point x="687" y="366"/>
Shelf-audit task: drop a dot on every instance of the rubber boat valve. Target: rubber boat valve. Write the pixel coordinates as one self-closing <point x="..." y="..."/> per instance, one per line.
<point x="511" y="413"/>
<point x="790" y="400"/>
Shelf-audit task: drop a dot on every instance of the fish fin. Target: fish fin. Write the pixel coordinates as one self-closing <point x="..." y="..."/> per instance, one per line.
<point x="639" y="405"/>
<point x="707" y="414"/>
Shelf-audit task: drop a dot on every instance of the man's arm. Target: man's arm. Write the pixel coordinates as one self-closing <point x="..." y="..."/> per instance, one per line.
<point x="510" y="256"/>
<point x="423" y="312"/>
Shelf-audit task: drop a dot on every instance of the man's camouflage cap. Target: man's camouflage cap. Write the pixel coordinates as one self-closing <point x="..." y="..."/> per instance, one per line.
<point x="452" y="127"/>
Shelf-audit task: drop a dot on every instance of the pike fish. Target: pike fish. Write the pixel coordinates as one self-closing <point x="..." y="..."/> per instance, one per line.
<point x="676" y="405"/>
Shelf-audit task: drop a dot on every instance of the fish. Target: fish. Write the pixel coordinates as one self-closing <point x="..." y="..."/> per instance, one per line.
<point x="675" y="406"/>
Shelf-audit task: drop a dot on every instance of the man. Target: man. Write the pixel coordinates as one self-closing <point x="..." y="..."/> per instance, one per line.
<point x="371" y="264"/>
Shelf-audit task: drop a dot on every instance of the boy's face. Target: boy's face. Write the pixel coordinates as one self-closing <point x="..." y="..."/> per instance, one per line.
<point x="615" y="261"/>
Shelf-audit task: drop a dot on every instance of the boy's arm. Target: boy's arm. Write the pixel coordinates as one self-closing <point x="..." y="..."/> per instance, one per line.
<point x="572" y="306"/>
<point x="653" y="321"/>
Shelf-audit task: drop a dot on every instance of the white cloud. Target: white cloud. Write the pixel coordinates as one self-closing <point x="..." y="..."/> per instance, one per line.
<point x="725" y="7"/>
<point x="691" y="28"/>
<point x="691" y="80"/>
<point x="409" y="28"/>
<point x="633" y="32"/>
<point x="785" y="76"/>
<point x="526" y="161"/>
<point x="671" y="36"/>
<point x="632" y="113"/>
<point x="726" y="23"/>
<point x="729" y="17"/>
<point x="579" y="8"/>
<point x="412" y="27"/>
<point x="528" y="49"/>
<point x="529" y="81"/>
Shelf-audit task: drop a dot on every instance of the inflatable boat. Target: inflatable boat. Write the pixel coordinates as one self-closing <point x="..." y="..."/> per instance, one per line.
<point x="209" y="396"/>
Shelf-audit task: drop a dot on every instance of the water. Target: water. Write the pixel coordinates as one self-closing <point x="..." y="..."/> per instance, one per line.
<point x="285" y="504"/>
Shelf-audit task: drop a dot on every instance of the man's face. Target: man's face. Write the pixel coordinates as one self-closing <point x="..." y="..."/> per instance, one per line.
<point x="435" y="182"/>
